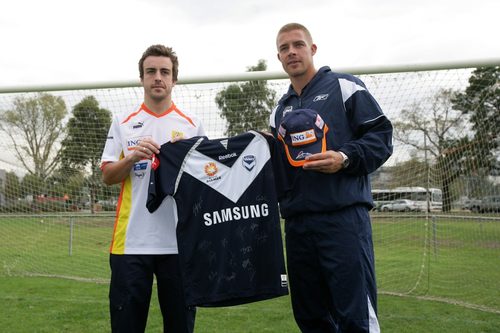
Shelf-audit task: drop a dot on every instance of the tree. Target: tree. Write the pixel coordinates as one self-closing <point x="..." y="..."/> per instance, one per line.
<point x="12" y="187"/>
<point x="32" y="185"/>
<point x="247" y="105"/>
<point x="34" y="127"/>
<point x="70" y="184"/>
<point x="438" y="132"/>
<point x="481" y="100"/>
<point x="412" y="172"/>
<point x="86" y="136"/>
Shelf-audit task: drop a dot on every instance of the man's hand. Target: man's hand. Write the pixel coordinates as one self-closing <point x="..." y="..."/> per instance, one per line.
<point x="327" y="162"/>
<point x="145" y="150"/>
<point x="116" y="172"/>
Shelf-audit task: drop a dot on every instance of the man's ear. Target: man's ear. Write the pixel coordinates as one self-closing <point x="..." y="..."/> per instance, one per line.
<point x="313" y="49"/>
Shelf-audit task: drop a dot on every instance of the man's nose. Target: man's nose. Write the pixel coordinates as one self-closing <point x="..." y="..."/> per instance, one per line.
<point x="157" y="76"/>
<point x="291" y="51"/>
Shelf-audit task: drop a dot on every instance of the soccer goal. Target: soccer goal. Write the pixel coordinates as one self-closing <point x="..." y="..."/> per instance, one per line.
<point x="436" y="215"/>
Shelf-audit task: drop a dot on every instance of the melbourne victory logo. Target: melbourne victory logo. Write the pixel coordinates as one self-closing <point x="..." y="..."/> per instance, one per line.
<point x="248" y="162"/>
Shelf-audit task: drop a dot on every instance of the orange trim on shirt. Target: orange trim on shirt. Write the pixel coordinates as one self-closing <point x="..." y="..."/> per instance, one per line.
<point x="133" y="114"/>
<point x="122" y="219"/>
<point x="172" y="107"/>
<point x="118" y="205"/>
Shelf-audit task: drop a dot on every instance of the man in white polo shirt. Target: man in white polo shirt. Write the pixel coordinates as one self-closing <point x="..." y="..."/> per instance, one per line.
<point x="144" y="244"/>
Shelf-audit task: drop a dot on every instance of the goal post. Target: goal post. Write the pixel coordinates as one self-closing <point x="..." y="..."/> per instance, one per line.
<point x="436" y="220"/>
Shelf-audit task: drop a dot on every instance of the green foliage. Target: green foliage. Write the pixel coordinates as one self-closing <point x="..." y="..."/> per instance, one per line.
<point x="86" y="134"/>
<point x="84" y="143"/>
<point x="12" y="188"/>
<point x="34" y="126"/>
<point x="20" y="206"/>
<point x="49" y="206"/>
<point x="70" y="183"/>
<point x="246" y="105"/>
<point x="481" y="100"/>
<point x="38" y="205"/>
<point x="32" y="185"/>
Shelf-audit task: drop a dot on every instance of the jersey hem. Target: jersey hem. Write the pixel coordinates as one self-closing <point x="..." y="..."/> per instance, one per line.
<point x="148" y="251"/>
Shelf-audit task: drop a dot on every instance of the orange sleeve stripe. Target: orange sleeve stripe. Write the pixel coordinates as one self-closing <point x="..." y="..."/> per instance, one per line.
<point x="133" y="114"/>
<point x="118" y="205"/>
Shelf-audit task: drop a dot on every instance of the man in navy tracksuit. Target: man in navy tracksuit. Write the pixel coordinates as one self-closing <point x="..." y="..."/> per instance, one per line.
<point x="334" y="134"/>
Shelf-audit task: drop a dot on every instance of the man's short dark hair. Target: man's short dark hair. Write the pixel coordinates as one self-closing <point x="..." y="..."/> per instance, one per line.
<point x="159" y="50"/>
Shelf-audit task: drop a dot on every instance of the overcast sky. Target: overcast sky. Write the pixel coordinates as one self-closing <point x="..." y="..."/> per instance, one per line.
<point x="61" y="41"/>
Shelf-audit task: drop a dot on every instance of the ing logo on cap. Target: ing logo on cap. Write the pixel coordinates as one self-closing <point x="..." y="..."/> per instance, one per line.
<point x="303" y="133"/>
<point x="303" y="138"/>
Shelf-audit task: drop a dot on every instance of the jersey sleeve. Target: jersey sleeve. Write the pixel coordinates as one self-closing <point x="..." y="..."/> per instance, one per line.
<point x="281" y="168"/>
<point x="165" y="169"/>
<point x="113" y="148"/>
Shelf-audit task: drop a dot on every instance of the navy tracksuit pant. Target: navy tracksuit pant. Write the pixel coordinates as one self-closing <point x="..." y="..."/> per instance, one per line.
<point x="331" y="271"/>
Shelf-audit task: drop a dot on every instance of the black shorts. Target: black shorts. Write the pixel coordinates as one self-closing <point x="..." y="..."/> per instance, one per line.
<point x="130" y="293"/>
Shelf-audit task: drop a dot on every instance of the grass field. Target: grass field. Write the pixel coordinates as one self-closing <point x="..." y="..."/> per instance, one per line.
<point x="439" y="275"/>
<point x="48" y="305"/>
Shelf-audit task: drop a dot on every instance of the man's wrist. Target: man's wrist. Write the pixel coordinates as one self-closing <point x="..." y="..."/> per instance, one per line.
<point x="345" y="160"/>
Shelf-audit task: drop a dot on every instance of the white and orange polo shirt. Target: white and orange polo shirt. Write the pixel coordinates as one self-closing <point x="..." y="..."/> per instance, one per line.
<point x="136" y="230"/>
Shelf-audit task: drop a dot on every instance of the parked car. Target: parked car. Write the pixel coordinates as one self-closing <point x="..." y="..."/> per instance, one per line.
<point x="487" y="204"/>
<point x="470" y="204"/>
<point x="402" y="205"/>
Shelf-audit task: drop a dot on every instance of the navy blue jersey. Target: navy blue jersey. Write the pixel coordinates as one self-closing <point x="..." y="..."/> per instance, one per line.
<point x="228" y="230"/>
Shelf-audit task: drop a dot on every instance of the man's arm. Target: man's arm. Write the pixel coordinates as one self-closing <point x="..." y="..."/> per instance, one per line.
<point x="371" y="144"/>
<point x="117" y="172"/>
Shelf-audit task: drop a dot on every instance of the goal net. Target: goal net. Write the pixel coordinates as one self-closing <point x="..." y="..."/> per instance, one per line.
<point x="436" y="219"/>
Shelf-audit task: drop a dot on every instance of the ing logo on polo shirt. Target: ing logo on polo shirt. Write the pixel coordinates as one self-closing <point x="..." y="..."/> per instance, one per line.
<point x="133" y="142"/>
<point x="211" y="169"/>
